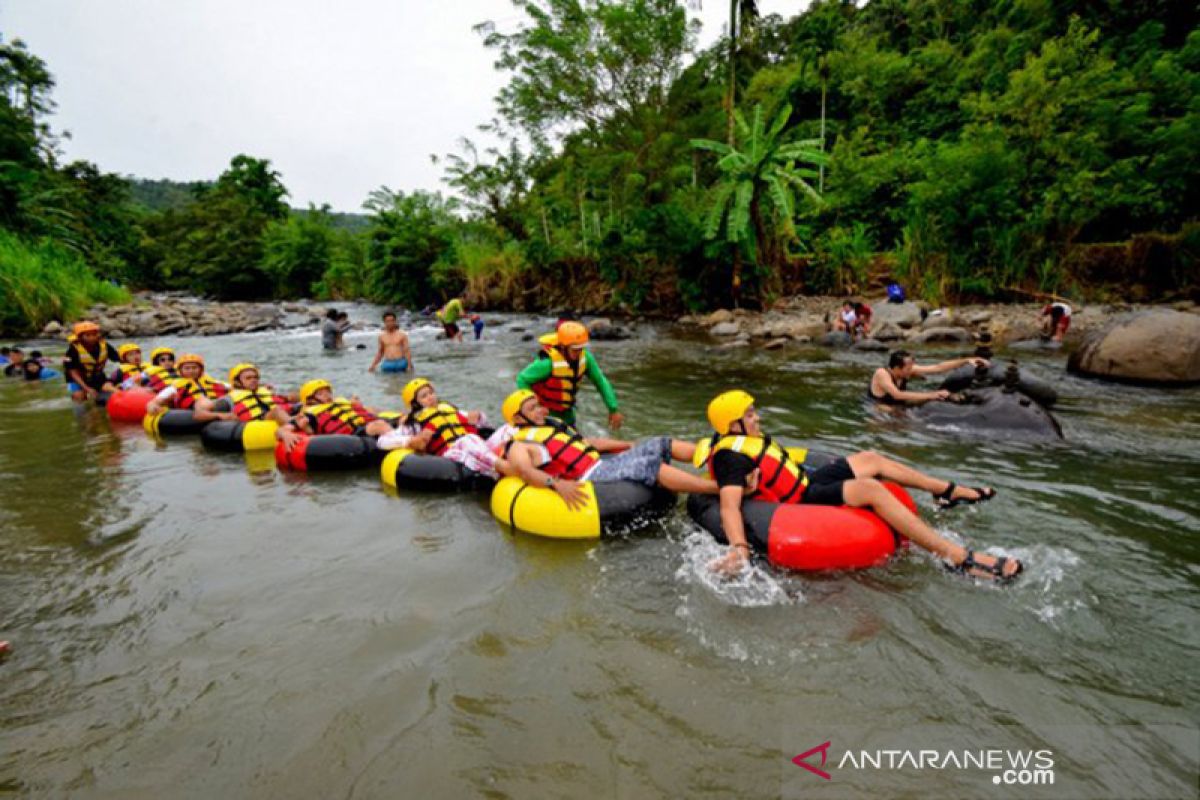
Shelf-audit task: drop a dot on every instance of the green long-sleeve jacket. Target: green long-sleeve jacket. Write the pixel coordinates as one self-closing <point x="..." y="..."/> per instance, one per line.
<point x="541" y="368"/>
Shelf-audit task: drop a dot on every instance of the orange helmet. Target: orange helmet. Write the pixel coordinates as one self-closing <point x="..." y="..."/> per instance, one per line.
<point x="85" y="327"/>
<point x="572" y="333"/>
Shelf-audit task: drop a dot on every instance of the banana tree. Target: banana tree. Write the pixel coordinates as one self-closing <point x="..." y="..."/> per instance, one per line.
<point x="754" y="201"/>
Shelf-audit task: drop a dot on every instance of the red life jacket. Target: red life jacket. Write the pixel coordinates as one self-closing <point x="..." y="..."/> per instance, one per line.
<point x="158" y="378"/>
<point x="249" y="406"/>
<point x="571" y="457"/>
<point x="559" y="392"/>
<point x="188" y="391"/>
<point x="447" y="426"/>
<point x="781" y="479"/>
<point x="338" y="416"/>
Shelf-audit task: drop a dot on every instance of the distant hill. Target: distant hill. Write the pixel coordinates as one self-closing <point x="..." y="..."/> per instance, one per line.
<point x="163" y="194"/>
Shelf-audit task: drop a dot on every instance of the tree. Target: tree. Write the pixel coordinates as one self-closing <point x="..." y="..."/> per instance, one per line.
<point x="755" y="196"/>
<point x="410" y="233"/>
<point x="742" y="13"/>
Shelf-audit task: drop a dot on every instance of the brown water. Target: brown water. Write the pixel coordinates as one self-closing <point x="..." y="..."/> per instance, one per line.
<point x="193" y="624"/>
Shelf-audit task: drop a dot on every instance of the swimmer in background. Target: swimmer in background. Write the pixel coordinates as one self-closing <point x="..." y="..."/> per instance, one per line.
<point x="394" y="354"/>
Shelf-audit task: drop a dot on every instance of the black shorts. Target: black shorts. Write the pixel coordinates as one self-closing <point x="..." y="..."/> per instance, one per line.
<point x="451" y="329"/>
<point x="825" y="485"/>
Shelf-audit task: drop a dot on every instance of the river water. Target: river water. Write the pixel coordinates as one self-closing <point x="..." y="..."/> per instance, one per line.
<point x="194" y="624"/>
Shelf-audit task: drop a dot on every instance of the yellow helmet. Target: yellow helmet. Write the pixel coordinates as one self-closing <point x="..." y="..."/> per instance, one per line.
<point x="311" y="388"/>
<point x="238" y="370"/>
<point x="85" y="327"/>
<point x="727" y="408"/>
<point x="190" y="358"/>
<point x="409" y="393"/>
<point x="161" y="351"/>
<point x="512" y="404"/>
<point x="572" y="333"/>
<point x="126" y="349"/>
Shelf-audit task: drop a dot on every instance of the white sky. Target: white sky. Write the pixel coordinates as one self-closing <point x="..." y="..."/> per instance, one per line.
<point x="342" y="96"/>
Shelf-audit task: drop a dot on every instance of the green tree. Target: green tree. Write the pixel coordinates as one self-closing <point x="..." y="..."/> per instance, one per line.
<point x="410" y="234"/>
<point x="754" y="201"/>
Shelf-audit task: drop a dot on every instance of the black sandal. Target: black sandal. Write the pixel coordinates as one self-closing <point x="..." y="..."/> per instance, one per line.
<point x="996" y="570"/>
<point x="947" y="500"/>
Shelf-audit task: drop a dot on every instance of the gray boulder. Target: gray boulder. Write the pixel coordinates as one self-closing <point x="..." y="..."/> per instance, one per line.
<point x="904" y="315"/>
<point x="835" y="339"/>
<point x="942" y="335"/>
<point x="729" y="328"/>
<point x="873" y="345"/>
<point x="1151" y="347"/>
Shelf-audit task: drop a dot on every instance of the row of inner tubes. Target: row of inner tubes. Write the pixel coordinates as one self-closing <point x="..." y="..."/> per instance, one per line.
<point x="793" y="536"/>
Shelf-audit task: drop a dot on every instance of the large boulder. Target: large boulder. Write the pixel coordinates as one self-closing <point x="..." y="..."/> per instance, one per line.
<point x="873" y="345"/>
<point x="888" y="332"/>
<point x="602" y="329"/>
<point x="835" y="339"/>
<point x="943" y="335"/>
<point x="904" y="315"/>
<point x="718" y="316"/>
<point x="1152" y="347"/>
<point x="725" y="329"/>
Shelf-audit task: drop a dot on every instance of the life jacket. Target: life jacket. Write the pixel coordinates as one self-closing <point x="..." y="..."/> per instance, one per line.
<point x="444" y="421"/>
<point x="158" y="378"/>
<point x="128" y="371"/>
<point x="559" y="392"/>
<point x="93" y="365"/>
<point x="338" y="416"/>
<point x="188" y="391"/>
<point x="571" y="457"/>
<point x="251" y="405"/>
<point x="781" y="480"/>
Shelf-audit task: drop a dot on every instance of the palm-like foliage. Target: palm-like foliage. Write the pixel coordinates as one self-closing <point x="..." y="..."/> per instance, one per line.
<point x="755" y="200"/>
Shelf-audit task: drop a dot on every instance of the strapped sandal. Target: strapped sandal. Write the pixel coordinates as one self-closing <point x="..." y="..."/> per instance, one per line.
<point x="947" y="499"/>
<point x="996" y="571"/>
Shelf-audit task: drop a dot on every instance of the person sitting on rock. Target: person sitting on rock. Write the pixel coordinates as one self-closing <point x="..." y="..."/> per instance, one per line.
<point x="250" y="400"/>
<point x="845" y="319"/>
<point x="889" y="385"/>
<point x="556" y="373"/>
<point x="740" y="446"/>
<point x="161" y="371"/>
<point x="862" y="320"/>
<point x="1055" y="328"/>
<point x="546" y="452"/>
<point x="85" y="361"/>
<point x="186" y="391"/>
<point x="129" y="372"/>
<point x="322" y="413"/>
<point x="439" y="429"/>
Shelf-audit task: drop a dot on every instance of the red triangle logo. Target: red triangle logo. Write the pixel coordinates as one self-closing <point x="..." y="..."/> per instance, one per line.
<point x="800" y="761"/>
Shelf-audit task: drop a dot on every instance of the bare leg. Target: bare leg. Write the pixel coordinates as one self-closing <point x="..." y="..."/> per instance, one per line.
<point x="868" y="493"/>
<point x="677" y="480"/>
<point x="378" y="427"/>
<point x="869" y="464"/>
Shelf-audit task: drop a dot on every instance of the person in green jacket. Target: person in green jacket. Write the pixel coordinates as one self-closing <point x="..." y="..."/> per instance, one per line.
<point x="449" y="316"/>
<point x="555" y="375"/>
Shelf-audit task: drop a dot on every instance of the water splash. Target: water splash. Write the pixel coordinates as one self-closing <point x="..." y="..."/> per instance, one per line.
<point x="754" y="587"/>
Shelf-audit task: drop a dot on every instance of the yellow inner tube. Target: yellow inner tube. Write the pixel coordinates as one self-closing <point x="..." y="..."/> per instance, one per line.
<point x="387" y="470"/>
<point x="543" y="512"/>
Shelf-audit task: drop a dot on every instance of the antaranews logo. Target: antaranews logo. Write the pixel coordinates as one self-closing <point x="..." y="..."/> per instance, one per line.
<point x="1009" y="767"/>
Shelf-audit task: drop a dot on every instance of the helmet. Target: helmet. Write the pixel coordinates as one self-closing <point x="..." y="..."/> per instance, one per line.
<point x="85" y="327"/>
<point x="239" y="369"/>
<point x="571" y="333"/>
<point x="409" y="393"/>
<point x="190" y="358"/>
<point x="727" y="408"/>
<point x="161" y="351"/>
<point x="311" y="388"/>
<point x="512" y="404"/>
<point x="126" y="349"/>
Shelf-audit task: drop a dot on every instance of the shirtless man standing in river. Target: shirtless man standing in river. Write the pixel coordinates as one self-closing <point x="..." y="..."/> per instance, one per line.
<point x="394" y="351"/>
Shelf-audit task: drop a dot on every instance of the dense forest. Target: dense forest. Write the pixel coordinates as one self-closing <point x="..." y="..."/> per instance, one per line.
<point x="968" y="149"/>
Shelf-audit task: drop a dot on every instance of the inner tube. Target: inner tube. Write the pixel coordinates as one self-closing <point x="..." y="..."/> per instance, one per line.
<point x="964" y="378"/>
<point x="129" y="405"/>
<point x="334" y="452"/>
<point x="810" y="538"/>
<point x="992" y="409"/>
<point x="610" y="508"/>
<point x="235" y="436"/>
<point x="406" y="469"/>
<point x="173" y="422"/>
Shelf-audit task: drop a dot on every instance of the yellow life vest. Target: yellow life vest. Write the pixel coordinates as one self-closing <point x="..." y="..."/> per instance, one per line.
<point x="92" y="365"/>
<point x="443" y="420"/>
<point x="158" y="378"/>
<point x="188" y="390"/>
<point x="251" y="405"/>
<point x="571" y="457"/>
<point x="559" y="391"/>
<point x="336" y="416"/>
<point x="781" y="480"/>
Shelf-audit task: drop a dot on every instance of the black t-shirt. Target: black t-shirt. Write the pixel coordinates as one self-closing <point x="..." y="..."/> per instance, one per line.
<point x="731" y="468"/>
<point x="71" y="362"/>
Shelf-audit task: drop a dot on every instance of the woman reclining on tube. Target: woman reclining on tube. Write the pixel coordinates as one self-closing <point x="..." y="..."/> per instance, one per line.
<point x="550" y="453"/>
<point x="186" y="391"/>
<point x="251" y="400"/>
<point x="439" y="429"/>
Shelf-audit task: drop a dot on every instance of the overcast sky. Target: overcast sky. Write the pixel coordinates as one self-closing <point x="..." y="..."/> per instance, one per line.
<point x="342" y="97"/>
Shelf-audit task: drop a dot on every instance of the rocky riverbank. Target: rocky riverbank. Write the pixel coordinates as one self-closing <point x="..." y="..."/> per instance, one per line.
<point x="161" y="315"/>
